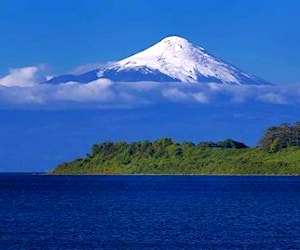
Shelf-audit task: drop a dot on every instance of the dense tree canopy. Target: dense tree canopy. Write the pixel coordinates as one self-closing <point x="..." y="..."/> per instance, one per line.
<point x="279" y="137"/>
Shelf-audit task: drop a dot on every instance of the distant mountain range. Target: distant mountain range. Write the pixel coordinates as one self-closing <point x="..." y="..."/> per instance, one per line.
<point x="173" y="59"/>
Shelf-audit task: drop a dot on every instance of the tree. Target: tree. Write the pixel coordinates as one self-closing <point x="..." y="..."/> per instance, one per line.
<point x="228" y="143"/>
<point x="297" y="134"/>
<point x="284" y="136"/>
<point x="268" y="138"/>
<point x="160" y="145"/>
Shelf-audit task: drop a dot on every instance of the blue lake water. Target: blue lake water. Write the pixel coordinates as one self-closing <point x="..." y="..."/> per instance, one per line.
<point x="149" y="212"/>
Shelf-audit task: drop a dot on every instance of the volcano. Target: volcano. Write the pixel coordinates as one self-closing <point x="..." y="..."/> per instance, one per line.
<point x="173" y="59"/>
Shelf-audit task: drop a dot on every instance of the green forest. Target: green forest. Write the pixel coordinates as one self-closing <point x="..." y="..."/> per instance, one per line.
<point x="277" y="153"/>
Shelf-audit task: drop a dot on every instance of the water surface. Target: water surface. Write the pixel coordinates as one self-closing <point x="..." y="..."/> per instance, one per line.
<point x="149" y="212"/>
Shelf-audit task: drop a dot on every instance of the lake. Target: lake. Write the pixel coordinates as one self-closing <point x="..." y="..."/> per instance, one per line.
<point x="149" y="212"/>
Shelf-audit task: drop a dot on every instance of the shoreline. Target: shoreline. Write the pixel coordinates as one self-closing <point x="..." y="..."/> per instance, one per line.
<point x="220" y="175"/>
<point x="225" y="175"/>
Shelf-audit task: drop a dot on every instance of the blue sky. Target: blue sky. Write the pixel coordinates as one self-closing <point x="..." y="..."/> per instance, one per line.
<point x="259" y="36"/>
<point x="42" y="125"/>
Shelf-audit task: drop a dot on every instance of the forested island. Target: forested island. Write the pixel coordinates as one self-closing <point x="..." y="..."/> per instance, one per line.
<point x="277" y="153"/>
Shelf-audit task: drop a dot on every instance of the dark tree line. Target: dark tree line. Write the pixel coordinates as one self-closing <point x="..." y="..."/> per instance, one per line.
<point x="279" y="137"/>
<point x="160" y="147"/>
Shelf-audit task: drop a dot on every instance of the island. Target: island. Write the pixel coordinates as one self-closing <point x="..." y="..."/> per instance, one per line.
<point x="277" y="153"/>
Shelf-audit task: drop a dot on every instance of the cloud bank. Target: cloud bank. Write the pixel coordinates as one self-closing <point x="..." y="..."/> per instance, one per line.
<point x="22" y="88"/>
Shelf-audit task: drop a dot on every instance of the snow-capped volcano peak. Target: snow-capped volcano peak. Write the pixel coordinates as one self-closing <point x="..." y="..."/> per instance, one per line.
<point x="172" y="59"/>
<point x="173" y="56"/>
<point x="179" y="59"/>
<point x="169" y="47"/>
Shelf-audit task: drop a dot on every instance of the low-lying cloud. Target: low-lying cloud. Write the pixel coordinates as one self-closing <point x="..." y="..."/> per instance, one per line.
<point x="21" y="88"/>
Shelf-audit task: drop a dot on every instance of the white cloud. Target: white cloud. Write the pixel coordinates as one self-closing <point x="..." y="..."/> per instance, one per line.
<point x="96" y="91"/>
<point x="174" y="94"/>
<point x="273" y="98"/>
<point x="27" y="76"/>
<point x="201" y="97"/>
<point x="105" y="93"/>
